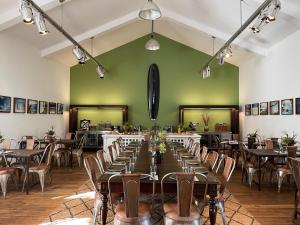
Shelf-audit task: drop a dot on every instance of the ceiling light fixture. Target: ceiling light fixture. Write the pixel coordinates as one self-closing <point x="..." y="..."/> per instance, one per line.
<point x="152" y="44"/>
<point x="228" y="52"/>
<point x="26" y="12"/>
<point x="100" y="71"/>
<point x="31" y="4"/>
<point x="150" y="11"/>
<point x="40" y="23"/>
<point x="257" y="12"/>
<point x="206" y="72"/>
<point x="79" y="54"/>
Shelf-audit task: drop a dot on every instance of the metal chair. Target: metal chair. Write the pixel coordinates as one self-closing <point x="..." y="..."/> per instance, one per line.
<point x="78" y="151"/>
<point x="42" y="169"/>
<point x="211" y="160"/>
<point x="94" y="169"/>
<point x="184" y="211"/>
<point x="131" y="211"/>
<point x="295" y="165"/>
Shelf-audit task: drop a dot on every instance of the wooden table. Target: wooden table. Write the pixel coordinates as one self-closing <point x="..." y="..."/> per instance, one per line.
<point x="68" y="143"/>
<point x="169" y="164"/>
<point x="260" y="153"/>
<point x="25" y="154"/>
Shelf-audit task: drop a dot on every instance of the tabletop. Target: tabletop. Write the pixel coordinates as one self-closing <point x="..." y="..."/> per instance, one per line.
<point x="270" y="152"/>
<point x="22" y="153"/>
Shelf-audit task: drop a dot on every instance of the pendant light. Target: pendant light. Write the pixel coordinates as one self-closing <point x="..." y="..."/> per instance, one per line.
<point x="152" y="44"/>
<point x="150" y="11"/>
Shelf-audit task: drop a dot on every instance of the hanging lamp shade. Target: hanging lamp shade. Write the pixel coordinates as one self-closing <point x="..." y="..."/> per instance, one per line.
<point x="150" y="11"/>
<point x="152" y="44"/>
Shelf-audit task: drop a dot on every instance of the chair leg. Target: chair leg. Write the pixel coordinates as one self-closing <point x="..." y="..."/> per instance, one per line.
<point x="42" y="179"/>
<point x="250" y="177"/>
<point x="3" y="183"/>
<point x="280" y="177"/>
<point x="222" y="209"/>
<point x="50" y="177"/>
<point x="97" y="209"/>
<point x="25" y="178"/>
<point x="79" y="160"/>
<point x="296" y="205"/>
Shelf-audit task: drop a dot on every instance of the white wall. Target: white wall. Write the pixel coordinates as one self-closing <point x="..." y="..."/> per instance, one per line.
<point x="24" y="73"/>
<point x="274" y="77"/>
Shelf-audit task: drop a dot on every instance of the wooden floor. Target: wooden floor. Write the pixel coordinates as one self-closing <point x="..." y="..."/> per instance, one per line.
<point x="267" y="206"/>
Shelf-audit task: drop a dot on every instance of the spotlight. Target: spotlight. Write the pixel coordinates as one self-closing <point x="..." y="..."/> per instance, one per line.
<point x="150" y="11"/>
<point x="221" y="58"/>
<point x="79" y="54"/>
<point x="40" y="24"/>
<point x="260" y="22"/>
<point x="26" y="12"/>
<point x="100" y="70"/>
<point x="227" y="52"/>
<point x="206" y="72"/>
<point x="272" y="11"/>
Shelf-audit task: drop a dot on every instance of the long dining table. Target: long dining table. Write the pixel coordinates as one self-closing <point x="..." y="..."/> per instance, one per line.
<point x="169" y="164"/>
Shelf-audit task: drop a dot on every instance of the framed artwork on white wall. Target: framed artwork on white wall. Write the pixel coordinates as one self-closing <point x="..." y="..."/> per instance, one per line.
<point x="255" y="109"/>
<point x="274" y="108"/>
<point x="264" y="108"/>
<point x="287" y="107"/>
<point x="248" y="110"/>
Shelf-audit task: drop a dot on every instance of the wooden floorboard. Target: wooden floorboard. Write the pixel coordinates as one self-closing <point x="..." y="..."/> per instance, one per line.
<point x="268" y="206"/>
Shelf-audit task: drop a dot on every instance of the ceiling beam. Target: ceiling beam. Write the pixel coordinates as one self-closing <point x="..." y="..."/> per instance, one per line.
<point x="114" y="24"/>
<point x="13" y="16"/>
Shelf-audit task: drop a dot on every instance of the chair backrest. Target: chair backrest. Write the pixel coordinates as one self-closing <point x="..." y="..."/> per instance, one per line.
<point x="269" y="144"/>
<point x="102" y="159"/>
<point x="113" y="152"/>
<point x="185" y="188"/>
<point x="50" y="148"/>
<point x="291" y="152"/>
<point x="197" y="150"/>
<point x="227" y="172"/>
<point x="6" y="144"/>
<point x="131" y="189"/>
<point x="295" y="165"/>
<point x="69" y="136"/>
<point x="30" y="144"/>
<point x="235" y="137"/>
<point x="212" y="160"/>
<point x="93" y="169"/>
<point x="204" y="154"/>
<point x="117" y="147"/>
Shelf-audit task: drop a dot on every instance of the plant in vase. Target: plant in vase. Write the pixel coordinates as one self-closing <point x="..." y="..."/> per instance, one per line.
<point x="50" y="133"/>
<point x="252" y="139"/>
<point x="287" y="140"/>
<point x="205" y="118"/>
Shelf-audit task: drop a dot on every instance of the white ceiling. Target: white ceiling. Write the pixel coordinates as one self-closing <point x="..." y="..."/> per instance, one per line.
<point x="115" y="22"/>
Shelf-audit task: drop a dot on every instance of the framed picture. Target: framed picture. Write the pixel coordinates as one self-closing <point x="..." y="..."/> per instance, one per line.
<point x="248" y="109"/>
<point x="52" y="108"/>
<point x="274" y="108"/>
<point x="19" y="105"/>
<point x="32" y="106"/>
<point x="60" y="108"/>
<point x="264" y="108"/>
<point x="287" y="107"/>
<point x="297" y="103"/>
<point x="255" y="109"/>
<point x="5" y="104"/>
<point x="43" y="107"/>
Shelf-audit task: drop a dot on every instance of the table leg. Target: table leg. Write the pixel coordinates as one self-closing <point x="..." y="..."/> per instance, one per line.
<point x="27" y="175"/>
<point x="212" y="210"/>
<point x="259" y="173"/>
<point x="104" y="208"/>
<point x="71" y="159"/>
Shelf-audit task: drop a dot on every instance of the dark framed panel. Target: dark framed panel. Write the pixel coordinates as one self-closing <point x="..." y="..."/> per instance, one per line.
<point x="275" y="107"/>
<point x="297" y="106"/>
<point x="234" y="115"/>
<point x="248" y="110"/>
<point x="5" y="104"/>
<point x="43" y="107"/>
<point x="60" y="108"/>
<point x="19" y="105"/>
<point x="52" y="108"/>
<point x="264" y="108"/>
<point x="73" y="117"/>
<point x="255" y="109"/>
<point x="32" y="106"/>
<point x="287" y="106"/>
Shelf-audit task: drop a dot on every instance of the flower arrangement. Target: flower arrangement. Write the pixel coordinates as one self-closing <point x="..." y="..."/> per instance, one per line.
<point x="162" y="148"/>
<point x="253" y="135"/>
<point x="51" y="132"/>
<point x="205" y="118"/>
<point x="288" y="140"/>
<point x="162" y="136"/>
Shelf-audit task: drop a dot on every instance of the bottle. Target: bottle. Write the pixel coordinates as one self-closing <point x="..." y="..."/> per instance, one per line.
<point x="178" y="131"/>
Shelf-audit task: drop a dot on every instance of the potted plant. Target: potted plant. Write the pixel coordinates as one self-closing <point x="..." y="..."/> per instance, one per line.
<point x="252" y="139"/>
<point x="288" y="141"/>
<point x="50" y="133"/>
<point x="205" y="118"/>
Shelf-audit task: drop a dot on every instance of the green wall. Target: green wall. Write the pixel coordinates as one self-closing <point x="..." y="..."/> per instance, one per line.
<point x="181" y="83"/>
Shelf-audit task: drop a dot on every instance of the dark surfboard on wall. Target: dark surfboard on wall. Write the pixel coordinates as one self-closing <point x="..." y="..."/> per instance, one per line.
<point x="153" y="91"/>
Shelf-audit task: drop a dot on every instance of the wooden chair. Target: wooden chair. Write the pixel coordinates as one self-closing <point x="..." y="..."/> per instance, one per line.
<point x="295" y="165"/>
<point x="7" y="172"/>
<point x="184" y="211"/>
<point x="42" y="169"/>
<point x="211" y="160"/>
<point x="94" y="170"/>
<point x="132" y="211"/>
